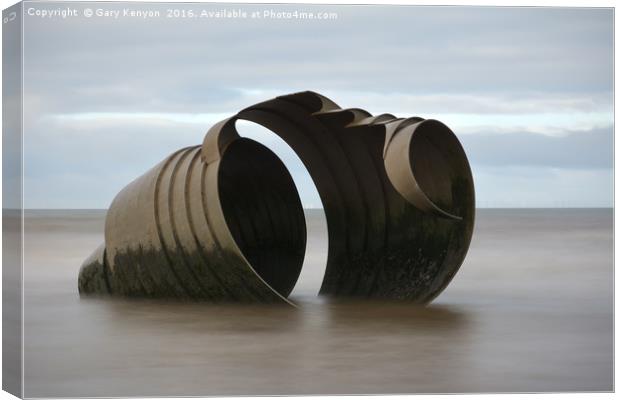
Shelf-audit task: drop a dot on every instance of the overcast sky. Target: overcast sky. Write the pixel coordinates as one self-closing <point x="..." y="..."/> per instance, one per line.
<point x="528" y="91"/>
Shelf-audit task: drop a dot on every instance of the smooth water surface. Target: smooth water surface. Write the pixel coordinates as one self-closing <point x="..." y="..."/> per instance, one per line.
<point x="530" y="310"/>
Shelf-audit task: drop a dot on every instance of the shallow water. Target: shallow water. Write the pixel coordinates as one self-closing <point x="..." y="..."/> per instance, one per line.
<point x="530" y="310"/>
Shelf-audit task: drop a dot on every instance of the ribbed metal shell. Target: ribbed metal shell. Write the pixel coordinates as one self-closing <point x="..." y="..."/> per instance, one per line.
<point x="170" y="232"/>
<point x="223" y="221"/>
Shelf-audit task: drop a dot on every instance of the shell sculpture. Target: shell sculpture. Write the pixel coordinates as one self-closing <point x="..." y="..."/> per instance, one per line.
<point x="223" y="221"/>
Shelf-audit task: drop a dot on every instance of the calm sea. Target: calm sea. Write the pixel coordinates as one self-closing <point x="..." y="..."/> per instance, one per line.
<point x="530" y="310"/>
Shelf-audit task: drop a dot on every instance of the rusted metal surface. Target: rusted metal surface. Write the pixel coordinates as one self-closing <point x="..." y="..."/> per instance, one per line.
<point x="224" y="222"/>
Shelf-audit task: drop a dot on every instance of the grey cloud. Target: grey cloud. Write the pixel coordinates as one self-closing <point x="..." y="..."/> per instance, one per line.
<point x="592" y="149"/>
<point x="408" y="60"/>
<point x="84" y="164"/>
<point x="176" y="64"/>
<point x="525" y="186"/>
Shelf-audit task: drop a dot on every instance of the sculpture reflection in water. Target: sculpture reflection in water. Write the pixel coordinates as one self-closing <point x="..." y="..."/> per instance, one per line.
<point x="223" y="221"/>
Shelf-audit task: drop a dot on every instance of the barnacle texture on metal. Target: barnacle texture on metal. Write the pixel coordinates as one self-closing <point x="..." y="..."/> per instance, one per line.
<point x="223" y="221"/>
